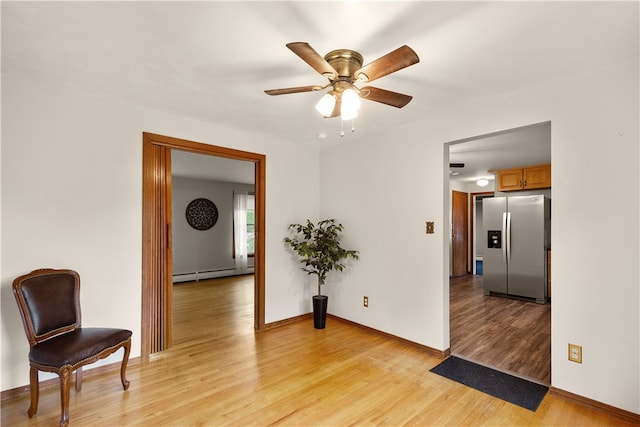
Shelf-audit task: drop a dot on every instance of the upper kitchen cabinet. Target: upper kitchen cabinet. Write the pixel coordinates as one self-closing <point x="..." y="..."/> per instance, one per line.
<point x="524" y="178"/>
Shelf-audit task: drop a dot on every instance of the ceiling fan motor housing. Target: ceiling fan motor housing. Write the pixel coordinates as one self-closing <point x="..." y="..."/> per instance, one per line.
<point x="345" y="62"/>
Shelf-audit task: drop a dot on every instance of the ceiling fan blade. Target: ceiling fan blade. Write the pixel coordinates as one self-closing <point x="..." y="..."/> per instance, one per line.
<point x="287" y="90"/>
<point x="313" y="58"/>
<point x="388" y="97"/>
<point x="400" y="58"/>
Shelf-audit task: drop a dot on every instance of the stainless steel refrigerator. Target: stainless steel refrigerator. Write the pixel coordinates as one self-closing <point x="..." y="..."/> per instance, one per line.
<point x="518" y="237"/>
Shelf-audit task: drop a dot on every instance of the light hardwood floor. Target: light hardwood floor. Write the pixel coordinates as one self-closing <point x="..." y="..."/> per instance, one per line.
<point x="507" y="334"/>
<point x="220" y="372"/>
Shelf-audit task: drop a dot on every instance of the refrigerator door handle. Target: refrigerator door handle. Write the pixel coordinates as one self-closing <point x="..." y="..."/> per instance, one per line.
<point x="508" y="238"/>
<point x="504" y="237"/>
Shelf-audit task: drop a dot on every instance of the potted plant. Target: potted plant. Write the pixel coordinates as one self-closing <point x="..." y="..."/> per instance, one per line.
<point x="318" y="248"/>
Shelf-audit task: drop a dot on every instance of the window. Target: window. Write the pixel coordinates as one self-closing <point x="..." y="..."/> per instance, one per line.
<point x="251" y="224"/>
<point x="244" y="226"/>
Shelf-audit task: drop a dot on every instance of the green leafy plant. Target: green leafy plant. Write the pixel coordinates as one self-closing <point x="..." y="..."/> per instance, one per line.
<point x="318" y="248"/>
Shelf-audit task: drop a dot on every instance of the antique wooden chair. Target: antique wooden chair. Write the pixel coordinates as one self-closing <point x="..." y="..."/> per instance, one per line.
<point x="49" y="303"/>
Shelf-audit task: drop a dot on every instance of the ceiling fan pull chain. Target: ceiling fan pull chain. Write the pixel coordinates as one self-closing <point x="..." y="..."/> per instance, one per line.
<point x="353" y="126"/>
<point x="341" y="127"/>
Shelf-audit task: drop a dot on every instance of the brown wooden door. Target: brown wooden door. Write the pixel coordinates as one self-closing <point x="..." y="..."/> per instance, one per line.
<point x="157" y="286"/>
<point x="459" y="234"/>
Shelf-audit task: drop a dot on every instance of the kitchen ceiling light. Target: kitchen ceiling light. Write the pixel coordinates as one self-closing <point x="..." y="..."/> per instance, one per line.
<point x="482" y="182"/>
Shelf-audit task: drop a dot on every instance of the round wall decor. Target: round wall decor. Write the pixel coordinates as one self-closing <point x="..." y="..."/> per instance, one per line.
<point x="202" y="214"/>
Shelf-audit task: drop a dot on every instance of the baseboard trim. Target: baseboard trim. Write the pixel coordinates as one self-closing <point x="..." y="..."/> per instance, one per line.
<point x="623" y="415"/>
<point x="55" y="382"/>
<point x="440" y="354"/>
<point x="287" y="321"/>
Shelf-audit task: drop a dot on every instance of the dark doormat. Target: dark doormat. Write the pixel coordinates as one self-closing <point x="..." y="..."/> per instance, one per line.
<point x="495" y="383"/>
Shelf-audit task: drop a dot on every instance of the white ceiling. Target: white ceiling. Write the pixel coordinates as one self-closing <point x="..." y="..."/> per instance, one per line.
<point x="525" y="146"/>
<point x="212" y="60"/>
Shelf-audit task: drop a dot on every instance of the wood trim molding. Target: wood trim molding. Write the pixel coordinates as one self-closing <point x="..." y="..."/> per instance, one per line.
<point x="623" y="415"/>
<point x="288" y="321"/>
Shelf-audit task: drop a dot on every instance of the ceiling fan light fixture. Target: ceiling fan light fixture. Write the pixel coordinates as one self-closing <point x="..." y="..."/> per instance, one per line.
<point x="343" y="68"/>
<point x="326" y="104"/>
<point x="350" y="104"/>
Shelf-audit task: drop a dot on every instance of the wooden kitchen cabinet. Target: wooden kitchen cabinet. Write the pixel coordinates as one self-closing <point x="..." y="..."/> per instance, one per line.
<point x="524" y="178"/>
<point x="509" y="179"/>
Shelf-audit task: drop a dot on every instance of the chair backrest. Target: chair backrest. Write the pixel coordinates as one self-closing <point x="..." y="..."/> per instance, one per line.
<point x="49" y="303"/>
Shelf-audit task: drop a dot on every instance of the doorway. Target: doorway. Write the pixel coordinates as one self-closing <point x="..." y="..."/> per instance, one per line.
<point x="157" y="280"/>
<point x="205" y="241"/>
<point x="480" y="325"/>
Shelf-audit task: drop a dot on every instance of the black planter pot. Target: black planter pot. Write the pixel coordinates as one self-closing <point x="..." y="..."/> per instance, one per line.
<point x="320" y="311"/>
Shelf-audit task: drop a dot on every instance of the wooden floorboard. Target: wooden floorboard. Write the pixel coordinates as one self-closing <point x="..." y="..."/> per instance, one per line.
<point x="507" y="334"/>
<point x="222" y="373"/>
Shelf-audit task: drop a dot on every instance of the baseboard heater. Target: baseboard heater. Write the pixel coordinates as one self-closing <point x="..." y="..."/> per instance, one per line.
<point x="195" y="276"/>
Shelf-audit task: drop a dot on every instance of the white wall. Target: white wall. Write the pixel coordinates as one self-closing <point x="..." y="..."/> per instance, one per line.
<point x="72" y="198"/>
<point x="203" y="250"/>
<point x="399" y="185"/>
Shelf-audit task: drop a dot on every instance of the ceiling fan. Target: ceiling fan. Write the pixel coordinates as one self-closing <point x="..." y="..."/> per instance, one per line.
<point x="343" y="68"/>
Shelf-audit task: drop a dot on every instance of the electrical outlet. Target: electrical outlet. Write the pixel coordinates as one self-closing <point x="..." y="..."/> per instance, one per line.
<point x="575" y="353"/>
<point x="365" y="302"/>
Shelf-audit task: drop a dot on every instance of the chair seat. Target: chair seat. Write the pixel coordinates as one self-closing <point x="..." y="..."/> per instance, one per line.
<point x="75" y="346"/>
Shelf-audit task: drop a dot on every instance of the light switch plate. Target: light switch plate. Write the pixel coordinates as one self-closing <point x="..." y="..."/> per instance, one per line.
<point x="430" y="227"/>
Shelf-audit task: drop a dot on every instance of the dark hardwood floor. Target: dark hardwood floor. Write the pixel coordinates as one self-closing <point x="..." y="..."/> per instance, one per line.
<point x="506" y="334"/>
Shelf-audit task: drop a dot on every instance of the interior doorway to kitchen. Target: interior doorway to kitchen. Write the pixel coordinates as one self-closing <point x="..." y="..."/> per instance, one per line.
<point x="508" y="334"/>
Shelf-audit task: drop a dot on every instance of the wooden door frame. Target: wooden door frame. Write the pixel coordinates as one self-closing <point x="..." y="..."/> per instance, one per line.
<point x="157" y="316"/>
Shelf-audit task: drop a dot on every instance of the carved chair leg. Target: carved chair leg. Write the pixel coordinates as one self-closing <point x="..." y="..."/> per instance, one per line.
<point x="34" y="388"/>
<point x="79" y="379"/>
<point x="123" y="366"/>
<point x="65" y="389"/>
